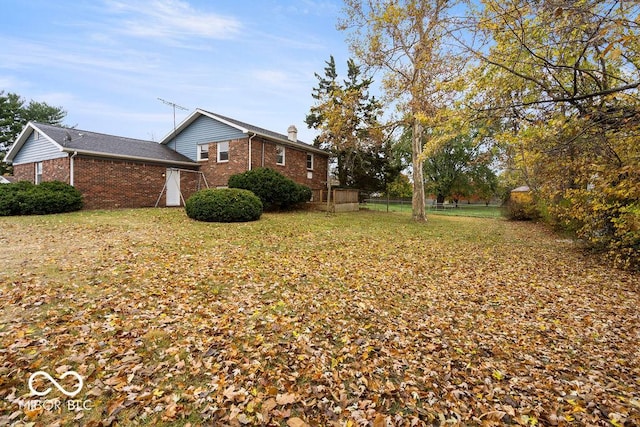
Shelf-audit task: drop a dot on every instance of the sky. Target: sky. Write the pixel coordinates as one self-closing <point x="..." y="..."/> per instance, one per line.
<point x="106" y="62"/>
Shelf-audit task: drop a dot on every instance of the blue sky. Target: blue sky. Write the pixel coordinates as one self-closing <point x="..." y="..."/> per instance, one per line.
<point x="107" y="61"/>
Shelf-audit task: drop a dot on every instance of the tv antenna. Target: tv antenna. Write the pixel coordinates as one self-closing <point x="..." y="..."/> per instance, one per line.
<point x="174" y="105"/>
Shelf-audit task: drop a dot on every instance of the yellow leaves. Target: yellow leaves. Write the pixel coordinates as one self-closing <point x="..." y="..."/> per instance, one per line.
<point x="497" y="375"/>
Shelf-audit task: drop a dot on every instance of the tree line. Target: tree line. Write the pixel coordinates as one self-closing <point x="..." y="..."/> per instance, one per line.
<point x="544" y="91"/>
<point x="15" y="113"/>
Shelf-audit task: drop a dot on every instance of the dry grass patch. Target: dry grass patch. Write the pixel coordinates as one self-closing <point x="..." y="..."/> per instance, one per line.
<point x="303" y="318"/>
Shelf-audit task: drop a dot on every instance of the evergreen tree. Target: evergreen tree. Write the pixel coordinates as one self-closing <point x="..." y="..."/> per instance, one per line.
<point x="347" y="117"/>
<point x="15" y="113"/>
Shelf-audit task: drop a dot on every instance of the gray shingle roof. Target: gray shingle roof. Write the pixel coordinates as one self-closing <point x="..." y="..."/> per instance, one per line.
<point x="111" y="145"/>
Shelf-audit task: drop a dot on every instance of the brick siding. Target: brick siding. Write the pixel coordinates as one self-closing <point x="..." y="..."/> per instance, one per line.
<point x="24" y="172"/>
<point x="263" y="154"/>
<point x="109" y="184"/>
<point x="52" y="170"/>
<point x="56" y="170"/>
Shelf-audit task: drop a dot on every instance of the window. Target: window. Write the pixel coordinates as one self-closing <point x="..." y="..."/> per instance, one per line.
<point x="203" y="152"/>
<point x="223" y="151"/>
<point x="309" y="161"/>
<point x="279" y="155"/>
<point x="38" y="177"/>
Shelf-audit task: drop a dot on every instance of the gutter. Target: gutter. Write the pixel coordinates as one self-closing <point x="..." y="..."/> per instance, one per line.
<point x="250" y="138"/>
<point x="71" y="168"/>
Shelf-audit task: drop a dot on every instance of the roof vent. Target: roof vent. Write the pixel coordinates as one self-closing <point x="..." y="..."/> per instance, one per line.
<point x="67" y="136"/>
<point x="293" y="133"/>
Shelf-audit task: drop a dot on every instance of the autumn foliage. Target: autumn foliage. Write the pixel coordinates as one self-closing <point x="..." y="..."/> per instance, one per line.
<point x="302" y="319"/>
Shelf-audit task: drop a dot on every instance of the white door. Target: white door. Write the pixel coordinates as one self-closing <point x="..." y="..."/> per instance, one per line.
<point x="173" y="187"/>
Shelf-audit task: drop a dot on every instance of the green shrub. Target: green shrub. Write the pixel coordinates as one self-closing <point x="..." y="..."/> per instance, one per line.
<point x="24" y="198"/>
<point x="224" y="205"/>
<point x="275" y="190"/>
<point x="9" y="197"/>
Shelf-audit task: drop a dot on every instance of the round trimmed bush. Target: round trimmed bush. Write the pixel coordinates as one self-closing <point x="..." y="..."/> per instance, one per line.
<point x="224" y="205"/>
<point x="275" y="190"/>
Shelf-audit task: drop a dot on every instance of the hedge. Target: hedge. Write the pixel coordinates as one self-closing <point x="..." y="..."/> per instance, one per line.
<point x="25" y="198"/>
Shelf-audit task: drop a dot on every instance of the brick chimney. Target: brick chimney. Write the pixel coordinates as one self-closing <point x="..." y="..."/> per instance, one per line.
<point x="293" y="133"/>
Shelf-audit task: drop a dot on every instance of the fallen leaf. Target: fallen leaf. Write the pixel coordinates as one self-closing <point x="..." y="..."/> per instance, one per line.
<point x="286" y="399"/>
<point x="296" y="422"/>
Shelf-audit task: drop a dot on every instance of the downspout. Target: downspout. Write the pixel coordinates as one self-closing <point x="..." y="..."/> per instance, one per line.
<point x="71" y="168"/>
<point x="262" y="164"/>
<point x="250" y="138"/>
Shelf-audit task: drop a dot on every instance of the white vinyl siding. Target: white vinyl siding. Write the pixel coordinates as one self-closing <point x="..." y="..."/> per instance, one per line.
<point x="202" y="130"/>
<point x="37" y="150"/>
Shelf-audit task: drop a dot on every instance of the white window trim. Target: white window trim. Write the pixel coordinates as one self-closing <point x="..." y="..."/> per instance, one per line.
<point x="284" y="154"/>
<point x="200" y="151"/>
<point x="312" y="161"/>
<point x="218" y="152"/>
<point x="38" y="168"/>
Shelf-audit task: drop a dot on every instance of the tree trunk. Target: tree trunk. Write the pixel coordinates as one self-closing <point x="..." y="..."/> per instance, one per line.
<point x="418" y="200"/>
<point x="342" y="170"/>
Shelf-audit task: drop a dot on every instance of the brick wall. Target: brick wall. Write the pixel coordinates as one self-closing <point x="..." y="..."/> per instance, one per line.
<point x="24" y="172"/>
<point x="52" y="170"/>
<point x="108" y="184"/>
<point x="263" y="154"/>
<point x="218" y="173"/>
<point x="295" y="165"/>
<point x="56" y="170"/>
<point x="190" y="183"/>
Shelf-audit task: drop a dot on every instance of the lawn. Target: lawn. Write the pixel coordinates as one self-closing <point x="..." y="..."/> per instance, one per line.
<point x="302" y="319"/>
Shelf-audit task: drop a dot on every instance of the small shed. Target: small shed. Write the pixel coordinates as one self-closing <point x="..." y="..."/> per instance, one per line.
<point x="522" y="194"/>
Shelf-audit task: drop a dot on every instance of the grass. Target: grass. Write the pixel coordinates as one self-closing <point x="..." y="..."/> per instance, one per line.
<point x="329" y="319"/>
<point x="465" y="210"/>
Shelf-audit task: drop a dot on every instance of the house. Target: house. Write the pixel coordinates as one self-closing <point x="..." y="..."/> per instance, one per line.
<point x="223" y="146"/>
<point x="110" y="171"/>
<point x="5" y="179"/>
<point x="118" y="172"/>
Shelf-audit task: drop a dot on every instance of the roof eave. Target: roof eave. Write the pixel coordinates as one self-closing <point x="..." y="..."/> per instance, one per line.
<point x="133" y="158"/>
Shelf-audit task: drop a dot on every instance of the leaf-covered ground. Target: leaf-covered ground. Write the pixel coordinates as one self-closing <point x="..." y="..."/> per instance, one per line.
<point x="362" y="319"/>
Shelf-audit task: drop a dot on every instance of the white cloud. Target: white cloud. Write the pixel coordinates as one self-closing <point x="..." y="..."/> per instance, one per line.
<point x="171" y="20"/>
<point x="59" y="54"/>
